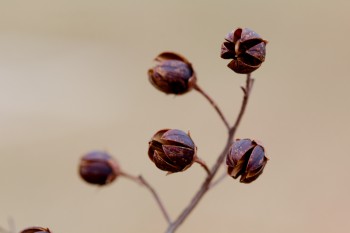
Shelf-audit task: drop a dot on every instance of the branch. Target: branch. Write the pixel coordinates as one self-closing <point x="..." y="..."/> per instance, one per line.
<point x="207" y="182"/>
<point x="221" y="178"/>
<point x="246" y="90"/>
<point x="140" y="180"/>
<point x="202" y="163"/>
<point x="212" y="102"/>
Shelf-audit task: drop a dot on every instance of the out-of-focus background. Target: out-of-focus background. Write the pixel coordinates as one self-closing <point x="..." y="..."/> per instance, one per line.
<point x="73" y="78"/>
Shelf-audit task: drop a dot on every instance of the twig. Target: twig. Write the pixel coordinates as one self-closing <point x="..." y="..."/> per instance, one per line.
<point x="246" y="90"/>
<point x="216" y="182"/>
<point x="202" y="163"/>
<point x="206" y="184"/>
<point x="140" y="180"/>
<point x="212" y="102"/>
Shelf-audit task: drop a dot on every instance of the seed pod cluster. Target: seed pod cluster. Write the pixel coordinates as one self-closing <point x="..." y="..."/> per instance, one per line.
<point x="173" y="74"/>
<point x="172" y="150"/>
<point x="246" y="48"/>
<point x="36" y="230"/>
<point x="246" y="158"/>
<point x="99" y="168"/>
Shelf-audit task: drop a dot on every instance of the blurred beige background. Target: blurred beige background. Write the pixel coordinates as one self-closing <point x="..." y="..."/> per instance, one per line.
<point x="73" y="79"/>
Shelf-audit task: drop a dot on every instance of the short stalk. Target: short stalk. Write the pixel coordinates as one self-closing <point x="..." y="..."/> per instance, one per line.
<point x="212" y="102"/>
<point x="202" y="163"/>
<point x="140" y="180"/>
<point x="219" y="180"/>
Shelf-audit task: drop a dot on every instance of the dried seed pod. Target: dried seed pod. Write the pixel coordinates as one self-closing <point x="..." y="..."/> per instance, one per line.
<point x="98" y="167"/>
<point x="246" y="158"/>
<point x="246" y="48"/>
<point x="172" y="150"/>
<point x="36" y="230"/>
<point x="173" y="74"/>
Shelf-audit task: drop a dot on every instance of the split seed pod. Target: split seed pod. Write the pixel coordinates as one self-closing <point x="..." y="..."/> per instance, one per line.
<point x="246" y="158"/>
<point x="36" y="230"/>
<point x="173" y="74"/>
<point x="246" y="48"/>
<point x="172" y="150"/>
<point x="99" y="168"/>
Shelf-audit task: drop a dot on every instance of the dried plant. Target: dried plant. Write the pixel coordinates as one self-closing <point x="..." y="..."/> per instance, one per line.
<point x="173" y="150"/>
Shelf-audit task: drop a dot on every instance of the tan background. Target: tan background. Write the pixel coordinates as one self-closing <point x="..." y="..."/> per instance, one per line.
<point x="73" y="78"/>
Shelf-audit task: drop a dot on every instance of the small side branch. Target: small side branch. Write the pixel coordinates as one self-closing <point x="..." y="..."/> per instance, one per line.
<point x="207" y="182"/>
<point x="246" y="91"/>
<point x="202" y="163"/>
<point x="216" y="182"/>
<point x="140" y="180"/>
<point x="212" y="102"/>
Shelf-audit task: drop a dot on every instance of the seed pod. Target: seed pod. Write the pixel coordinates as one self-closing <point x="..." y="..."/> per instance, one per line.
<point x="172" y="150"/>
<point x="98" y="167"/>
<point x="36" y="230"/>
<point x="246" y="48"/>
<point x="246" y="158"/>
<point x="173" y="74"/>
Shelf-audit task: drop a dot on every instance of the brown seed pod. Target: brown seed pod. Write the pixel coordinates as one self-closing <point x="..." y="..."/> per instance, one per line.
<point x="246" y="48"/>
<point x="246" y="158"/>
<point x="172" y="150"/>
<point x="173" y="74"/>
<point x="99" y="168"/>
<point x="36" y="230"/>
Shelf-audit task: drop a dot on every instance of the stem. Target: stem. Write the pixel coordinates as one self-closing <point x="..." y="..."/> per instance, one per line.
<point x="12" y="227"/>
<point x="216" y="182"/>
<point x="157" y="198"/>
<point x="140" y="180"/>
<point x="202" y="163"/>
<point x="212" y="102"/>
<point x="207" y="182"/>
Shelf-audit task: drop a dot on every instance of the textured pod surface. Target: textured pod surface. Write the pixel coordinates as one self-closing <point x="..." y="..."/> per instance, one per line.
<point x="36" y="230"/>
<point x="173" y="74"/>
<point x="246" y="49"/>
<point x="246" y="158"/>
<point x="98" y="167"/>
<point x="172" y="150"/>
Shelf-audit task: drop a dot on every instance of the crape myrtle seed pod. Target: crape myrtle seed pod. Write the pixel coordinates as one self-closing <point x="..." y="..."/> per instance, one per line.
<point x="172" y="150"/>
<point x="173" y="74"/>
<point x="246" y="48"/>
<point x="99" y="168"/>
<point x="246" y="158"/>
<point x="36" y="230"/>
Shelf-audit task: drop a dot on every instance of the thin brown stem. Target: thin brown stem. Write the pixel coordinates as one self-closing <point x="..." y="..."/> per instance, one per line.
<point x="202" y="163"/>
<point x="218" y="180"/>
<point x="212" y="102"/>
<point x="246" y="90"/>
<point x="12" y="226"/>
<point x="131" y="177"/>
<point x="140" y="180"/>
<point x="157" y="198"/>
<point x="207" y="182"/>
